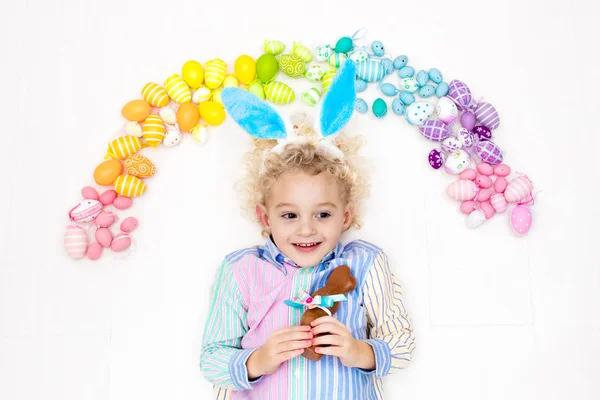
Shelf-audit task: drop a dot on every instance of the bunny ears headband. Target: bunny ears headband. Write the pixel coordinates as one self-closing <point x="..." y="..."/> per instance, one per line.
<point x="262" y="121"/>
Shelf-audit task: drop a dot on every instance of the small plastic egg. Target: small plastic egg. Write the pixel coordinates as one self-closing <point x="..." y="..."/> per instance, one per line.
<point x="201" y="94"/>
<point x="521" y="220"/>
<point x="168" y="115"/>
<point x="90" y="193"/>
<point x="104" y="237"/>
<point x="121" y="242"/>
<point x="388" y="89"/>
<point x="133" y="128"/>
<point x="442" y="89"/>
<point x="427" y="91"/>
<point x="468" y="174"/>
<point x="377" y="48"/>
<point x="485" y="169"/>
<point x="484" y="195"/>
<point x="361" y="106"/>
<point x="500" y="184"/>
<point x="105" y="219"/>
<point x="422" y="77"/>
<point x="122" y="202"/>
<point x="476" y="219"/>
<point x="406" y="72"/>
<point x="400" y="62"/>
<point x="407" y="98"/>
<point x="94" y="251"/>
<point x="360" y="85"/>
<point x="468" y="120"/>
<point x="108" y="197"/>
<point x="388" y="66"/>
<point x="487" y="209"/>
<point x="435" y="75"/>
<point x="468" y="206"/>
<point x="397" y="106"/>
<point x="172" y="137"/>
<point x="129" y="224"/>
<point x="379" y="108"/>
<point x="502" y="170"/>
<point x="483" y="181"/>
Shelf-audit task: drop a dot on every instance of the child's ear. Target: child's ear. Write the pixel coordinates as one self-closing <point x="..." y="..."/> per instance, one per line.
<point x="263" y="217"/>
<point x="349" y="212"/>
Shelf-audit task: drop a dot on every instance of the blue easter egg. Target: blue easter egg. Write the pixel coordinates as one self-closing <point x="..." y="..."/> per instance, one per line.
<point x="397" y="106"/>
<point x="407" y="98"/>
<point x="379" y="108"/>
<point x="435" y="75"/>
<point x="442" y="89"/>
<point x="406" y="72"/>
<point x="377" y="48"/>
<point x="427" y="91"/>
<point x="400" y="62"/>
<point x="388" y="65"/>
<point x="361" y="85"/>
<point x="361" y="106"/>
<point x="388" y="89"/>
<point x="422" y="78"/>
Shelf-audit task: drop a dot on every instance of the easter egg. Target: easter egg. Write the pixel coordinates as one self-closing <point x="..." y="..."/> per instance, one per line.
<point x="245" y="69"/>
<point x="136" y="110"/>
<point x="468" y="120"/>
<point x="468" y="206"/>
<point x="388" y="66"/>
<point x="483" y="194"/>
<point x="436" y="159"/>
<point x="388" y="89"/>
<point x="140" y="166"/>
<point x="451" y="144"/>
<point x="291" y="65"/>
<point x="359" y="56"/>
<point x="173" y="137"/>
<point x="466" y="138"/>
<point x="123" y="146"/>
<point x="328" y="79"/>
<point x="468" y="174"/>
<point x="279" y="92"/>
<point x="153" y="130"/>
<point x="518" y="189"/>
<point x="214" y="73"/>
<point x="419" y="112"/>
<point x="475" y="219"/>
<point x="400" y="62"/>
<point x="406" y="72"/>
<point x="379" y="108"/>
<point x="212" y="112"/>
<point x="314" y="73"/>
<point x="89" y="193"/>
<point x="462" y="190"/>
<point x="273" y="47"/>
<point x="487" y="115"/>
<point x="500" y="184"/>
<point x="446" y="110"/>
<point x="489" y="152"/>
<point x="106" y="173"/>
<point x="216" y="96"/>
<point x="422" y="78"/>
<point x="442" y="89"/>
<point x="188" y="116"/>
<point x="122" y="202"/>
<point x="409" y="84"/>
<point x="155" y="95"/>
<point x="192" y="73"/>
<point x="105" y="219"/>
<point x="435" y="75"/>
<point x="230" y="81"/>
<point x="459" y="93"/>
<point x="360" y="85"/>
<point x="302" y="51"/>
<point x="427" y="91"/>
<point x="436" y="131"/>
<point x="257" y="89"/>
<point x="109" y="196"/>
<point x="76" y="241"/>
<point x="129" y="186"/>
<point x="168" y="115"/>
<point x="485" y="169"/>
<point x="377" y="48"/>
<point x="323" y="52"/>
<point x="407" y="98"/>
<point x="133" y="128"/>
<point x="177" y="89"/>
<point x="201" y="94"/>
<point x="121" y="242"/>
<point x="311" y="96"/>
<point x="85" y="211"/>
<point x="397" y="106"/>
<point x="200" y="134"/>
<point x="370" y="71"/>
<point x="498" y="202"/>
<point x="521" y="219"/>
<point x="337" y="59"/>
<point x="360" y="105"/>
<point x="487" y="209"/>
<point x="104" y="237"/>
<point x="344" y="45"/>
<point x="129" y="224"/>
<point x="266" y="67"/>
<point x="502" y="170"/>
<point x="457" y="161"/>
<point x="94" y="251"/>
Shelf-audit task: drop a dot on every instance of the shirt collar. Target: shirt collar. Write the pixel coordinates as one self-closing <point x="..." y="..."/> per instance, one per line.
<point x="273" y="253"/>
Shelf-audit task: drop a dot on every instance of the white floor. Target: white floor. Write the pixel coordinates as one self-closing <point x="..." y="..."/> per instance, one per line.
<point x="496" y="316"/>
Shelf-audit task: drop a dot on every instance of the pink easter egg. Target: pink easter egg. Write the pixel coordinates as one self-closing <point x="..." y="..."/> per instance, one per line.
<point x="76" y="241"/>
<point x="462" y="190"/>
<point x="121" y="242"/>
<point x="487" y="209"/>
<point x="498" y="202"/>
<point x="518" y="189"/>
<point x="468" y="206"/>
<point x="105" y="219"/>
<point x="108" y="197"/>
<point x="94" y="251"/>
<point x="468" y="174"/>
<point x="89" y="192"/>
<point x="485" y="169"/>
<point x="500" y="184"/>
<point x="122" y="202"/>
<point x="129" y="224"/>
<point x="502" y="170"/>
<point x="483" y="181"/>
<point x="104" y="237"/>
<point x="484" y="195"/>
<point x="521" y="219"/>
<point x="85" y="210"/>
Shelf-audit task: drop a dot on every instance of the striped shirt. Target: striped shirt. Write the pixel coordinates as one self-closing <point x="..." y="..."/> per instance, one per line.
<point x="247" y="304"/>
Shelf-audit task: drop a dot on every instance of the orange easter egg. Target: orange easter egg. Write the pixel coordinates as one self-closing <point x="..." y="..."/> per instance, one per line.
<point x="188" y="116"/>
<point x="140" y="166"/>
<point x="136" y="110"/>
<point x="106" y="173"/>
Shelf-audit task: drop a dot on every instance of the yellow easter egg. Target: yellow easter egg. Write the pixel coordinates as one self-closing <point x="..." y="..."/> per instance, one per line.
<point x="230" y="81"/>
<point x="214" y="73"/>
<point x="140" y="166"/>
<point x="328" y="79"/>
<point x="217" y="96"/>
<point x="193" y="74"/>
<point x="155" y="95"/>
<point x="136" y="110"/>
<point x="129" y="186"/>
<point x="200" y="134"/>
<point x="153" y="130"/>
<point x="123" y="146"/>
<point x="178" y="90"/>
<point x="201" y="94"/>
<point x="245" y="69"/>
<point x="212" y="112"/>
<point x="188" y="116"/>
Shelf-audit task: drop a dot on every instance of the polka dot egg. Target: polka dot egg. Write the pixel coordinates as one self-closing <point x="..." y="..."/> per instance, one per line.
<point x="520" y="220"/>
<point x="419" y="112"/>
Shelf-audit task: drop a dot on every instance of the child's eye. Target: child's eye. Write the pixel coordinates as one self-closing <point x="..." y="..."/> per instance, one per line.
<point x="323" y="215"/>
<point x="289" y="215"/>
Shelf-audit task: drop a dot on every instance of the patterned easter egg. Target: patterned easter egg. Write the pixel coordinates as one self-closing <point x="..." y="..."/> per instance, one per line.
<point x="483" y="132"/>
<point x="451" y="144"/>
<point x="292" y="65"/>
<point x="140" y="166"/>
<point x="121" y="242"/>
<point x="178" y="90"/>
<point x="427" y="91"/>
<point x="324" y="52"/>
<point x="123" y="146"/>
<point x="328" y="79"/>
<point x="434" y="130"/>
<point x="155" y="95"/>
<point x="129" y="186"/>
<point x="359" y="56"/>
<point x="462" y="190"/>
<point x="85" y="211"/>
<point x="173" y="137"/>
<point x="133" y="128"/>
<point x="459" y="93"/>
<point x="200" y="134"/>
<point x="370" y="71"/>
<point x="302" y="51"/>
<point x="279" y="93"/>
<point x="489" y="152"/>
<point x="521" y="219"/>
<point x="76" y="241"/>
<point x="446" y="110"/>
<point x="487" y="115"/>
<point x="457" y="162"/>
<point x="498" y="202"/>
<point x="315" y="73"/>
<point x="337" y="59"/>
<point x="312" y="96"/>
<point x="409" y="85"/>
<point x="153" y="130"/>
<point x="168" y="115"/>
<point x="201" y="94"/>
<point x="273" y="46"/>
<point x="419" y="112"/>
<point x="360" y="105"/>
<point x="436" y="159"/>
<point x="466" y="138"/>
<point x="214" y="73"/>
<point x="518" y="189"/>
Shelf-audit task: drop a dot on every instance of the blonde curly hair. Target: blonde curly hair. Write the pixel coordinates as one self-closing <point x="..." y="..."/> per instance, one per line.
<point x="262" y="168"/>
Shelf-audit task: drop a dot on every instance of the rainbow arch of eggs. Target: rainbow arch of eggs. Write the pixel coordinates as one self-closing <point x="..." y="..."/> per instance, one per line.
<point x="190" y="103"/>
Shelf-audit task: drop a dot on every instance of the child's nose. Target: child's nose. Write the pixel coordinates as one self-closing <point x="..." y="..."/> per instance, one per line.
<point x="306" y="228"/>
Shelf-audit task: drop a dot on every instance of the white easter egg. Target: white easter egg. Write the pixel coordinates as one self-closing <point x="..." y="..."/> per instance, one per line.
<point x="446" y="110"/>
<point x="475" y="219"/>
<point x="419" y="112"/>
<point x="457" y="162"/>
<point x="173" y="137"/>
<point x="168" y="115"/>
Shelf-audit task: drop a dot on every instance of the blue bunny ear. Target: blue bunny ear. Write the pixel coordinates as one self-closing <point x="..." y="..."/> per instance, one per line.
<point x="253" y="114"/>
<point x="338" y="104"/>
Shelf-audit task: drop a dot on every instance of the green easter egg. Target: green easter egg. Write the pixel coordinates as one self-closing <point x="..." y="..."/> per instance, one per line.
<point x="266" y="67"/>
<point x="257" y="89"/>
<point x="379" y="108"/>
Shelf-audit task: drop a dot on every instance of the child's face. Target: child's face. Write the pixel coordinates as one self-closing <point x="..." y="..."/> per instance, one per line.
<point x="306" y="216"/>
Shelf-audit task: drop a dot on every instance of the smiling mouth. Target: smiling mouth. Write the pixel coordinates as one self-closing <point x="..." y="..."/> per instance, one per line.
<point x="307" y="245"/>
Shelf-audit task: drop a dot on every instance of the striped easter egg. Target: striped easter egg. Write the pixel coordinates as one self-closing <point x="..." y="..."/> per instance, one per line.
<point x="462" y="190"/>
<point x="302" y="51"/>
<point x="123" y="146"/>
<point x="86" y="210"/>
<point x="337" y="59"/>
<point x="370" y="71"/>
<point x="327" y="79"/>
<point x="76" y="241"/>
<point x="435" y="130"/>
<point x="489" y="152"/>
<point x="292" y="65"/>
<point x="487" y="115"/>
<point x="129" y="186"/>
<point x="518" y="189"/>
<point x="153" y="130"/>
<point x="214" y="73"/>
<point x="140" y="166"/>
<point x="498" y="202"/>
<point x="311" y="96"/>
<point x="459" y="93"/>
<point x="419" y="112"/>
<point x="178" y="90"/>
<point x="279" y="92"/>
<point x="155" y="94"/>
<point x="273" y="46"/>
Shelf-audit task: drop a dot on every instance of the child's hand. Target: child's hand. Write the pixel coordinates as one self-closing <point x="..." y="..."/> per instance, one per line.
<point x="281" y="345"/>
<point x="351" y="352"/>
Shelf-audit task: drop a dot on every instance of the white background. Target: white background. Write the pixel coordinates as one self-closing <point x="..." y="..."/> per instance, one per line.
<point x="496" y="316"/>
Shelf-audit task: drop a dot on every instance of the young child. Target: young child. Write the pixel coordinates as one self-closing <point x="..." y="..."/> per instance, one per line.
<point x="305" y="191"/>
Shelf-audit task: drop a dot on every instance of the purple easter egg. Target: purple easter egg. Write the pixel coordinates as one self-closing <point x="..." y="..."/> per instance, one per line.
<point x="466" y="137"/>
<point x="483" y="132"/>
<point x="436" y="159"/>
<point x="459" y="93"/>
<point x="468" y="120"/>
<point x="487" y="115"/>
<point x="434" y="130"/>
<point x="489" y="152"/>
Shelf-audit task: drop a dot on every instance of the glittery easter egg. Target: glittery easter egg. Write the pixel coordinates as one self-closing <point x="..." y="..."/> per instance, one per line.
<point x="476" y="219"/>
